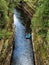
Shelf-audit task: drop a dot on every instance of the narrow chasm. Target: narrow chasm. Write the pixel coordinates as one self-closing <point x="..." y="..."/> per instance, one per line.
<point x="22" y="53"/>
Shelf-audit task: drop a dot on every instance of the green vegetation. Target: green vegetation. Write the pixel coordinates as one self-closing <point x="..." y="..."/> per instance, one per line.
<point x="6" y="28"/>
<point x="40" y="27"/>
<point x="6" y="11"/>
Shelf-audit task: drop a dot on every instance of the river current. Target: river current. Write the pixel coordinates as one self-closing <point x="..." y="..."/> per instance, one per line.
<point x="22" y="53"/>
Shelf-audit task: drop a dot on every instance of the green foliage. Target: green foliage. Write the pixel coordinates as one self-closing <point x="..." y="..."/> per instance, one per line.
<point x="2" y="34"/>
<point x="40" y="27"/>
<point x="3" y="12"/>
<point x="40" y="19"/>
<point x="8" y="34"/>
<point x="3" y="7"/>
<point x="47" y="37"/>
<point x="6" y="8"/>
<point x="42" y="33"/>
<point x="4" y="46"/>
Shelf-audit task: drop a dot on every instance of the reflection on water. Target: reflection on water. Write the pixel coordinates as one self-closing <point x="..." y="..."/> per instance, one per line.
<point x="22" y="54"/>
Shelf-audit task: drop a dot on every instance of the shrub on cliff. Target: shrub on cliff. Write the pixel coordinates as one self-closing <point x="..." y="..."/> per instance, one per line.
<point x="41" y="17"/>
<point x="40" y="27"/>
<point x="3" y="13"/>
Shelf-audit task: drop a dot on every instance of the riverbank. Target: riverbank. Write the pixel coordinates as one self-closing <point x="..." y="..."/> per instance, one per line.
<point x="6" y="48"/>
<point x="6" y="32"/>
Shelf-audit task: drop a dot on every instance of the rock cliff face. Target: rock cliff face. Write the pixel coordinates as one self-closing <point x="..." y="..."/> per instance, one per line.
<point x="27" y="13"/>
<point x="6" y="31"/>
<point x="6" y="50"/>
<point x="27" y="10"/>
<point x="6" y="44"/>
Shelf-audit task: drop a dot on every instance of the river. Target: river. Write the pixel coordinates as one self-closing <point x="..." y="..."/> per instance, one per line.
<point x="22" y="53"/>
